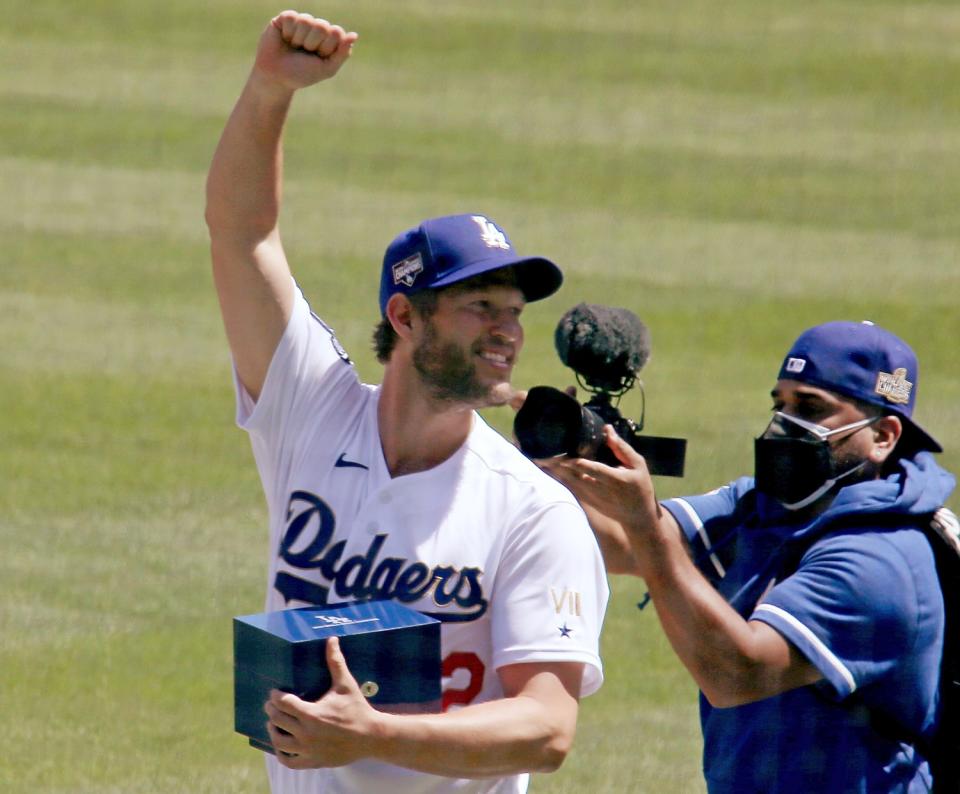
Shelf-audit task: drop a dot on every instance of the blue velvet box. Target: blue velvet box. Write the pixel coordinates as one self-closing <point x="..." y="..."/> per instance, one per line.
<point x="392" y="651"/>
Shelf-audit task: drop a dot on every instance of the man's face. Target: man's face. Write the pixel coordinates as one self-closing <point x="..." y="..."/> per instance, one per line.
<point x="470" y="343"/>
<point x="831" y="411"/>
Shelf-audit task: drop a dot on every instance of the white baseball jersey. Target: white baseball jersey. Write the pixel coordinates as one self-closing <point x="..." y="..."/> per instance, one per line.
<point x="485" y="542"/>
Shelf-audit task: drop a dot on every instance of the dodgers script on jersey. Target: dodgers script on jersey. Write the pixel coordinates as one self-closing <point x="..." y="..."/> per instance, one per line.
<point x="485" y="542"/>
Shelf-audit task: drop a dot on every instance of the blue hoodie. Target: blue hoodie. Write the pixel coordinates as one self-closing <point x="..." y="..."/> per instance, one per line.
<point x="862" y="604"/>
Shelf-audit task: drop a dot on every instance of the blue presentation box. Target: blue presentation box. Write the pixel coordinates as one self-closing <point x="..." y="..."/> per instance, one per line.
<point x="392" y="651"/>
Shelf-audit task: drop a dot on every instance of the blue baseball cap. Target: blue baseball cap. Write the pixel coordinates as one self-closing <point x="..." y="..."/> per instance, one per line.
<point x="442" y="251"/>
<point x="865" y="362"/>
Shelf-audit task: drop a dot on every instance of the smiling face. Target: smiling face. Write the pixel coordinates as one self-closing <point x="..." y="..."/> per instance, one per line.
<point x="469" y="344"/>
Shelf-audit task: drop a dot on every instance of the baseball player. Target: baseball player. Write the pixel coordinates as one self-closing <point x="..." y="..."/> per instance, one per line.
<point x="401" y="491"/>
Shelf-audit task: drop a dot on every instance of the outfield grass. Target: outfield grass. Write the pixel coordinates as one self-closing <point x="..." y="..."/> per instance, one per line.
<point x="732" y="172"/>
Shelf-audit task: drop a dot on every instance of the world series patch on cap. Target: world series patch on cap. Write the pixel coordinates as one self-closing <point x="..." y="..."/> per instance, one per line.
<point x="392" y="651"/>
<point x="862" y="361"/>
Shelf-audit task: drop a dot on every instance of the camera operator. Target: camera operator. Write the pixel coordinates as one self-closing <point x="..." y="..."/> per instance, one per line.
<point x="804" y="601"/>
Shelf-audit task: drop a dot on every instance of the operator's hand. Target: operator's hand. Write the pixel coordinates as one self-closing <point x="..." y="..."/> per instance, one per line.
<point x="333" y="731"/>
<point x="624" y="494"/>
<point x="298" y="50"/>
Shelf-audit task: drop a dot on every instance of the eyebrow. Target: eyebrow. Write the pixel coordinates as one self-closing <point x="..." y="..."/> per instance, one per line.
<point x="503" y="277"/>
<point x="465" y="288"/>
<point x="801" y="395"/>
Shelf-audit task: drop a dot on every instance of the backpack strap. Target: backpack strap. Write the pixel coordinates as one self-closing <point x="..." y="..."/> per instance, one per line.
<point x="944" y="751"/>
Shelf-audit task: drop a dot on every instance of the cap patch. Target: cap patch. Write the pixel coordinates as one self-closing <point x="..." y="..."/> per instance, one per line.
<point x="796" y="364"/>
<point x="490" y="234"/>
<point x="407" y="270"/>
<point x="895" y="388"/>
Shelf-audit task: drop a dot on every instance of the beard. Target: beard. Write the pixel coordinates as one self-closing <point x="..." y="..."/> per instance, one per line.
<point x="861" y="468"/>
<point x="451" y="377"/>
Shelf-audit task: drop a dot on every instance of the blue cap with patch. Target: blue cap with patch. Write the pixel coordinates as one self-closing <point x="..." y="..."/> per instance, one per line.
<point x="443" y="251"/>
<point x="862" y="361"/>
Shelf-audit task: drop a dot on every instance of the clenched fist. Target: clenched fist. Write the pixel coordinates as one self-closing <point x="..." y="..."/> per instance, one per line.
<point x="298" y="50"/>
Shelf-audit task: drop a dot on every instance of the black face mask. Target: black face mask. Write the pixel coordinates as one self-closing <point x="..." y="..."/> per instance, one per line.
<point x="793" y="463"/>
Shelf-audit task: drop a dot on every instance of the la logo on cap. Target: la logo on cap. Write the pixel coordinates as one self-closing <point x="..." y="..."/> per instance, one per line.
<point x="895" y="388"/>
<point x="490" y="234"/>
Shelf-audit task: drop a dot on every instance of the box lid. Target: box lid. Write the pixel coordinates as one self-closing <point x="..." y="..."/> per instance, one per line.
<point x="306" y="624"/>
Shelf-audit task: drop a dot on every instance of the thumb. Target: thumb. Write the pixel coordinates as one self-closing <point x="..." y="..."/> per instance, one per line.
<point x="624" y="453"/>
<point x="340" y="675"/>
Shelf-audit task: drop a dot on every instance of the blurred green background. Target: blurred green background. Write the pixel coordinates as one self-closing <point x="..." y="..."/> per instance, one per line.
<point x="732" y="172"/>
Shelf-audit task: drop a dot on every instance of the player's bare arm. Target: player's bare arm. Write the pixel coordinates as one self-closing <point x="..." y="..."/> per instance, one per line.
<point x="531" y="729"/>
<point x="734" y="661"/>
<point x="244" y="184"/>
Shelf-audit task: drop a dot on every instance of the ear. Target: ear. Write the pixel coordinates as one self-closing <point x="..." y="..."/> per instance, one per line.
<point x="886" y="433"/>
<point x="400" y="314"/>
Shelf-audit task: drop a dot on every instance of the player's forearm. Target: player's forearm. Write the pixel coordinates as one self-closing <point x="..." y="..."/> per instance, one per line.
<point x="502" y="737"/>
<point x="245" y="178"/>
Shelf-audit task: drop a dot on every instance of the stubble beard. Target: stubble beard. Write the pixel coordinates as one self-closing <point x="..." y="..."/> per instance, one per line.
<point x="451" y="378"/>
<point x="844" y="461"/>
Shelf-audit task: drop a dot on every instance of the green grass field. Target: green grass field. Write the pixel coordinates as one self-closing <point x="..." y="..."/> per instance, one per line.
<point x="732" y="172"/>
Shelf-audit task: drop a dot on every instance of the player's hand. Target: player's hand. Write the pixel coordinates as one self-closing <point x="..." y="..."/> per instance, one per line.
<point x="298" y="50"/>
<point x="333" y="731"/>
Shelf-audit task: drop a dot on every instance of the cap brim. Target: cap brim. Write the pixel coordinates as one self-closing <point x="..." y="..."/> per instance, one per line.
<point x="917" y="437"/>
<point x="538" y="278"/>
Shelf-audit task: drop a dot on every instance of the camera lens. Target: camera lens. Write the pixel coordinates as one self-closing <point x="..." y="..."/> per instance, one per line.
<point x="552" y="423"/>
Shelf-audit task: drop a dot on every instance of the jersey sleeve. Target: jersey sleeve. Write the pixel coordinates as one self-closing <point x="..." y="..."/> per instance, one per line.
<point x="851" y="608"/>
<point x="309" y="376"/>
<point x="551" y="594"/>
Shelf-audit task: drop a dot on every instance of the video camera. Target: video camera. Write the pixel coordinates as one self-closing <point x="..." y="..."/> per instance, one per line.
<point x="606" y="347"/>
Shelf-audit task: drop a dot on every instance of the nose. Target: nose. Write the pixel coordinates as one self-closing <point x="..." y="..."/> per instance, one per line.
<point x="507" y="328"/>
<point x="778" y="428"/>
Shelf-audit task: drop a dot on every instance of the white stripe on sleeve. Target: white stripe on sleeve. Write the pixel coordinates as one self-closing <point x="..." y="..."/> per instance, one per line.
<point x="702" y="532"/>
<point x="812" y="638"/>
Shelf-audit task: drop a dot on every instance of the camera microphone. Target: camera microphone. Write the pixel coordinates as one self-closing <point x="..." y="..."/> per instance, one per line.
<point x="605" y="345"/>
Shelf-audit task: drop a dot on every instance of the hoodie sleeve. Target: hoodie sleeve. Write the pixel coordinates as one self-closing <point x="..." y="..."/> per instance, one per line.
<point x="707" y="522"/>
<point x="861" y="607"/>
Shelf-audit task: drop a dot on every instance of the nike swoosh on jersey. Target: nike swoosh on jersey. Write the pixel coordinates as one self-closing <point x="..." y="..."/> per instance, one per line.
<point x="343" y="463"/>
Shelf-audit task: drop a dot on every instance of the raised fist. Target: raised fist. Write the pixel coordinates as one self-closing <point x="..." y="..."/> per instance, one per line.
<point x="299" y="50"/>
